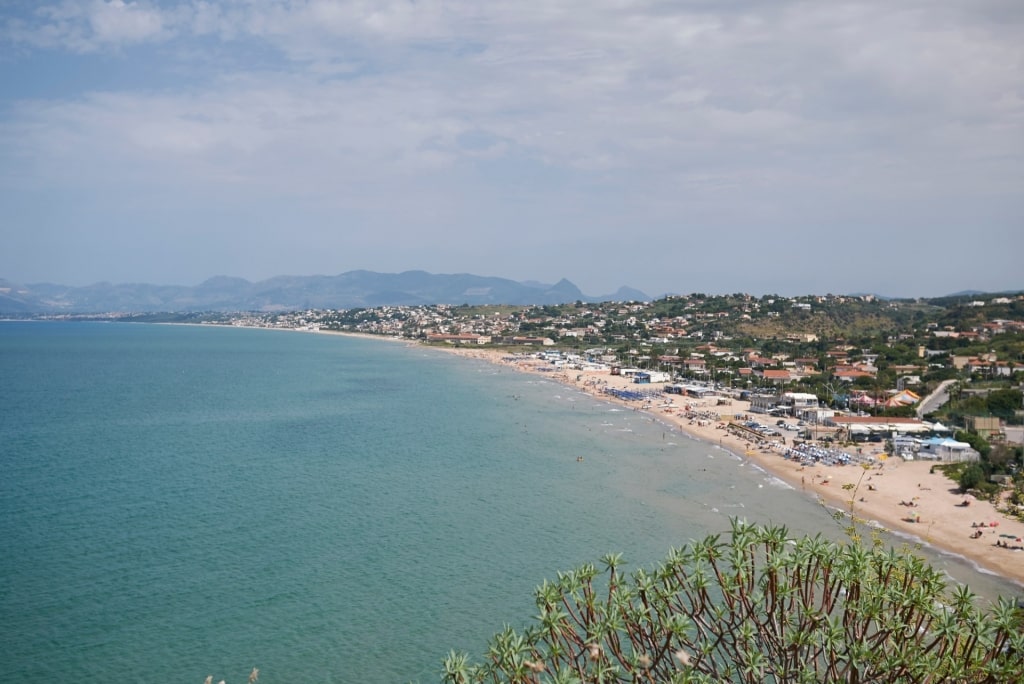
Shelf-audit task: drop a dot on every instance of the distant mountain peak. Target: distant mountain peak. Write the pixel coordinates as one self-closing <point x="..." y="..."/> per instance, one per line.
<point x="353" y="289"/>
<point x="567" y="288"/>
<point x="223" y="281"/>
<point x="628" y="294"/>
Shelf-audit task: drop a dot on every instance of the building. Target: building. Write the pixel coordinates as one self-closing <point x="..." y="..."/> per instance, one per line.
<point x="647" y="377"/>
<point x="877" y="428"/>
<point x="799" y="401"/>
<point x="778" y="377"/>
<point x="764" y="403"/>
<point x="461" y="338"/>
<point x="946" y="449"/>
<point x="986" y="426"/>
<point x="544" y="341"/>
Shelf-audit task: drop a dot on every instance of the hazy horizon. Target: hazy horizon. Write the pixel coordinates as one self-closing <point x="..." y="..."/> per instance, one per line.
<point x="551" y="283"/>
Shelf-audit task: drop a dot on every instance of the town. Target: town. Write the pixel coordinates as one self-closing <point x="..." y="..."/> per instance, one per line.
<point x="856" y="368"/>
<point x="857" y="356"/>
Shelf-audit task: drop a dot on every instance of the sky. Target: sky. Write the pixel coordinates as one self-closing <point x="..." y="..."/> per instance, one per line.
<point x="674" y="146"/>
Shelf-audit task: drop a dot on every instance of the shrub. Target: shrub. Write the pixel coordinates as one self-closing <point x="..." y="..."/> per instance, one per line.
<point x="972" y="477"/>
<point x="756" y="607"/>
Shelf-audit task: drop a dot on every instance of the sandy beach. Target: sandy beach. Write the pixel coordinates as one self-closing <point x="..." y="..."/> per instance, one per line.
<point x="903" y="496"/>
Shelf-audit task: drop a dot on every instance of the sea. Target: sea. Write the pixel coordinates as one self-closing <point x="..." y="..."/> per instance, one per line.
<point x="184" y="501"/>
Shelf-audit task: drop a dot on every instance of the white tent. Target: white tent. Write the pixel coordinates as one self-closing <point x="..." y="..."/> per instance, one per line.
<point x="949" y="449"/>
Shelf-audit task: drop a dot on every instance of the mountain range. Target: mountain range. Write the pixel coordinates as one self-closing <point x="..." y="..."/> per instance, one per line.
<point x="353" y="289"/>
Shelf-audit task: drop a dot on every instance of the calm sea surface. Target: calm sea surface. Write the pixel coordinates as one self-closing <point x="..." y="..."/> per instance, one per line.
<point x="182" y="501"/>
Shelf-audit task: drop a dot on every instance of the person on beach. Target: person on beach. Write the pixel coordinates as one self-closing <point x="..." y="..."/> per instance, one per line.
<point x="943" y="530"/>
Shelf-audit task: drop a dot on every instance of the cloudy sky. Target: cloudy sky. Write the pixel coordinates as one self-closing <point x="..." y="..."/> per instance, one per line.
<point x="671" y="145"/>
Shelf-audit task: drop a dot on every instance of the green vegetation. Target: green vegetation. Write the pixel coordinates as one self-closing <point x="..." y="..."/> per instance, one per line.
<point x="978" y="477"/>
<point x="972" y="477"/>
<point x="756" y="607"/>
<point x="1003" y="403"/>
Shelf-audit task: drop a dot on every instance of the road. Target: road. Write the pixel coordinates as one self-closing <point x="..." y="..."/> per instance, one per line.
<point x="1014" y="434"/>
<point x="936" y="399"/>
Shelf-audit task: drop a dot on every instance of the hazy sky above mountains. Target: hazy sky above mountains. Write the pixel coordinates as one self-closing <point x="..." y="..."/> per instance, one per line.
<point x="671" y="145"/>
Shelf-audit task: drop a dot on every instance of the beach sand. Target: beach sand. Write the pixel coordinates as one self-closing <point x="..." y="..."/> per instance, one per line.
<point x="878" y="494"/>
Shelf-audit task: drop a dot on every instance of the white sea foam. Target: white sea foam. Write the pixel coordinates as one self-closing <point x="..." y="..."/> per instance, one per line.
<point x="778" y="483"/>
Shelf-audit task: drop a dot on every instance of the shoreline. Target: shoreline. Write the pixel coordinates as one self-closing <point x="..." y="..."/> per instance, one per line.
<point x="904" y="498"/>
<point x="934" y="519"/>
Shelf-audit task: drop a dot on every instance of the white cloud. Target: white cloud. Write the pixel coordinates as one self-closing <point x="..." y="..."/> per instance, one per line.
<point x="91" y="26"/>
<point x="604" y="85"/>
<point x="118" y="22"/>
<point x="718" y="113"/>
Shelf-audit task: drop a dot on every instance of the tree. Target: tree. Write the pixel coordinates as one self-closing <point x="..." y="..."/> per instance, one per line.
<point x="1004" y="403"/>
<point x="756" y="607"/>
<point x="972" y="477"/>
<point x="1004" y="458"/>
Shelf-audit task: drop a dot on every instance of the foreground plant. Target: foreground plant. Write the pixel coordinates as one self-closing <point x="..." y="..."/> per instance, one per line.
<point x="757" y="606"/>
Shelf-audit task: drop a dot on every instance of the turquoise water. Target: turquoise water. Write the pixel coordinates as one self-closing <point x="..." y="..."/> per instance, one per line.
<point x="183" y="501"/>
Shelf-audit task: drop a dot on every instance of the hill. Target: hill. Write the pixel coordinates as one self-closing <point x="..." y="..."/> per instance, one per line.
<point x="289" y="293"/>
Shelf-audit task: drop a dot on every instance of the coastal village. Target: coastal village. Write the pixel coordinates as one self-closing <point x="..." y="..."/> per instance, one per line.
<point x="829" y="393"/>
<point x="863" y="367"/>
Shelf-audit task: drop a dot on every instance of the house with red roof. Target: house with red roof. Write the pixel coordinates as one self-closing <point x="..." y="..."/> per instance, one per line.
<point x="778" y="377"/>
<point x="850" y="373"/>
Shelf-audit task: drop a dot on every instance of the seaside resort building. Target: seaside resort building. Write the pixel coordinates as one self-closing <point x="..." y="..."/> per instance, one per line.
<point x="789" y="404"/>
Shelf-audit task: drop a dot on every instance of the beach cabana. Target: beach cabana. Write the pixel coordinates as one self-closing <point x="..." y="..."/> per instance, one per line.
<point x="903" y="398"/>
